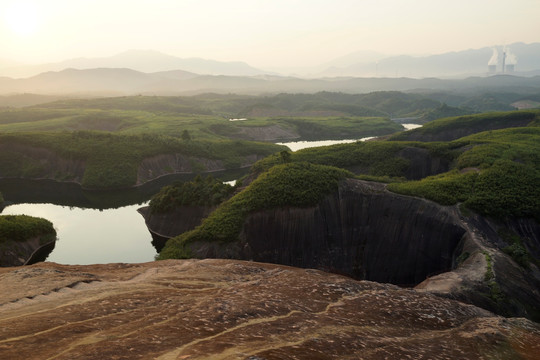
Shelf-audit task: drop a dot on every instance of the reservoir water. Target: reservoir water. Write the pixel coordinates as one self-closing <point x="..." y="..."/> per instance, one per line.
<point x="92" y="236"/>
<point x="93" y="227"/>
<point x="299" y="145"/>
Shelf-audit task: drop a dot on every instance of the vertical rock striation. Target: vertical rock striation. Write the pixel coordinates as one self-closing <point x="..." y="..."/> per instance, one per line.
<point x="362" y="231"/>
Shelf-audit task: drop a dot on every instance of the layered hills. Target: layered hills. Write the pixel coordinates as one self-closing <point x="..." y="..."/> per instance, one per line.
<point x="123" y="81"/>
<point x="524" y="59"/>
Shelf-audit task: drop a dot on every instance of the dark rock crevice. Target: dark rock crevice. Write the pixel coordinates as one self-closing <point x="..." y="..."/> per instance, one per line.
<point x="163" y="226"/>
<point x="362" y="231"/>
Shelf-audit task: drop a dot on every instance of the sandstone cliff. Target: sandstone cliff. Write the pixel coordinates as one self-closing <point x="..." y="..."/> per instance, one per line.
<point x="218" y="309"/>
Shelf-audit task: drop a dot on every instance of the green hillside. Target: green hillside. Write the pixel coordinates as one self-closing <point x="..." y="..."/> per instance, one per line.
<point x="452" y="128"/>
<point x="495" y="173"/>
<point x="295" y="184"/>
<point x="112" y="160"/>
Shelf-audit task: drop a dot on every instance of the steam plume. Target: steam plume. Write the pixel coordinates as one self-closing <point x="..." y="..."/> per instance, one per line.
<point x="494" y="58"/>
<point x="511" y="59"/>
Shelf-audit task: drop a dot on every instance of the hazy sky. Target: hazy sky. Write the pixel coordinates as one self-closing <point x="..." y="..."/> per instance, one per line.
<point x="264" y="33"/>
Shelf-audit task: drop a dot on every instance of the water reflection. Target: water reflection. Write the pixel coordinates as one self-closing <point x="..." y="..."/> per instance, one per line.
<point x="93" y="227"/>
<point x="92" y="236"/>
<point x="70" y="194"/>
<point x="298" y="145"/>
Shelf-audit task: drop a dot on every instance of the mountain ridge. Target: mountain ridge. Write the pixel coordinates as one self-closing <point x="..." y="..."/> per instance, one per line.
<point x="125" y="81"/>
<point x="526" y="58"/>
<point x="362" y="63"/>
<point x="139" y="60"/>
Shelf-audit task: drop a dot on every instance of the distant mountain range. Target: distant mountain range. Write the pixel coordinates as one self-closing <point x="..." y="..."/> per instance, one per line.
<point x="140" y="60"/>
<point x="151" y="72"/>
<point x="525" y="59"/>
<point x="117" y="82"/>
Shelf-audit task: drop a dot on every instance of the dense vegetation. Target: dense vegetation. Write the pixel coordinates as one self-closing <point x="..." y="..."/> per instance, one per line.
<point x="375" y="160"/>
<point x="201" y="192"/>
<point x="22" y="227"/>
<point x="294" y="184"/>
<point x="498" y="175"/>
<point x="443" y="129"/>
<point x="111" y="159"/>
<point x="200" y="126"/>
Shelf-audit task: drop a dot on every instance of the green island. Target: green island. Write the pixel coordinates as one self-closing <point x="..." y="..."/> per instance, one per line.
<point x="204" y="117"/>
<point x="21" y="237"/>
<point x="23" y="227"/>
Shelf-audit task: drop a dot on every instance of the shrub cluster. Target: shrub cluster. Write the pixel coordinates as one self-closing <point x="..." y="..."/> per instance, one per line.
<point x="23" y="227"/>
<point x="201" y="192"/>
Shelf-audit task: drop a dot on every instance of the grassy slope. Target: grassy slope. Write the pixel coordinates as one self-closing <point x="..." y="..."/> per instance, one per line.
<point x="373" y="160"/>
<point x="473" y="123"/>
<point x="293" y="184"/>
<point x="499" y="175"/>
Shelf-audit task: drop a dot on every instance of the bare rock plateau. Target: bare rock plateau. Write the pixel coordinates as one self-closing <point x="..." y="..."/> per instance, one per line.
<point x="228" y="309"/>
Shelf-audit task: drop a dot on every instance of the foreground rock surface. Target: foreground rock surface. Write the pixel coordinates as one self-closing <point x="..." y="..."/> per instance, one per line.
<point x="367" y="232"/>
<point x="222" y="309"/>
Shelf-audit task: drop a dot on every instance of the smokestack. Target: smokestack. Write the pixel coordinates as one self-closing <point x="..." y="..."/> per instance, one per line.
<point x="511" y="61"/>
<point x="503" y="60"/>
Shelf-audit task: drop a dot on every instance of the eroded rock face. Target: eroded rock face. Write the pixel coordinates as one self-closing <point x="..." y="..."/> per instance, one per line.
<point x="164" y="226"/>
<point x="221" y="309"/>
<point x="16" y="253"/>
<point x="361" y="230"/>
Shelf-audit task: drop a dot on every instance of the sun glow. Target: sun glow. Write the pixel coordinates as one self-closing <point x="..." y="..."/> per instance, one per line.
<point x="22" y="18"/>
